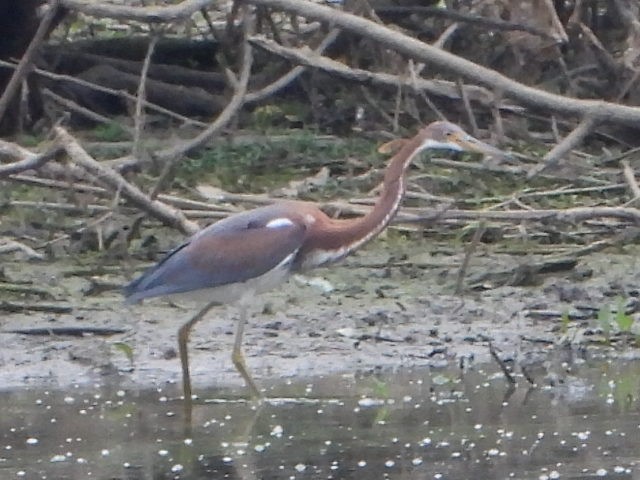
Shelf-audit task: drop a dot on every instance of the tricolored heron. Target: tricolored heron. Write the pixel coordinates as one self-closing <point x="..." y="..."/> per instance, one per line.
<point x="248" y="253"/>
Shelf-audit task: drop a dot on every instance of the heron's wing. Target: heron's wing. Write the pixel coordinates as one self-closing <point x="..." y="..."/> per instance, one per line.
<point x="234" y="250"/>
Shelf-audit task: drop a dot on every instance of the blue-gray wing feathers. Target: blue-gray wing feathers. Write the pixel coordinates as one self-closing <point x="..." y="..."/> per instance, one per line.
<point x="232" y="250"/>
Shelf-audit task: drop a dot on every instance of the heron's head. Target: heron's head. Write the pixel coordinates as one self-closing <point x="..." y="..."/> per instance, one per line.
<point x="449" y="136"/>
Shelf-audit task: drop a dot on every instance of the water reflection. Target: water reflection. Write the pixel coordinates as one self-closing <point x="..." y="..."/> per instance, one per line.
<point x="421" y="424"/>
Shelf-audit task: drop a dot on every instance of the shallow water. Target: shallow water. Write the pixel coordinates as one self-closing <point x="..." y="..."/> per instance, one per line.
<point x="418" y="424"/>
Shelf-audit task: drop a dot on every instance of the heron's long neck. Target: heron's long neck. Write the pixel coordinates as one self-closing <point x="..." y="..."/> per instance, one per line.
<point x="333" y="240"/>
<point x="393" y="189"/>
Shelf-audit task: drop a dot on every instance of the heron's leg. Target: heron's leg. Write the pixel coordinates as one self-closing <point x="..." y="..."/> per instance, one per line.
<point x="183" y="338"/>
<point x="238" y="357"/>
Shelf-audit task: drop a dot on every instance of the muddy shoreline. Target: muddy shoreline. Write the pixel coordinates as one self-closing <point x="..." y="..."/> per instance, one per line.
<point x="384" y="317"/>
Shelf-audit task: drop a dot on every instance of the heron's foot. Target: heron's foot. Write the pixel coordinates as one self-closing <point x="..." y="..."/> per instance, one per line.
<point x="238" y="361"/>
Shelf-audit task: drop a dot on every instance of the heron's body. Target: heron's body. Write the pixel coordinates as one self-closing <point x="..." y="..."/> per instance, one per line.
<point x="254" y="251"/>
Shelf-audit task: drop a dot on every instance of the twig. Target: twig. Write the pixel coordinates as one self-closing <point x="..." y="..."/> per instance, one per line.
<point x="630" y="177"/>
<point x="149" y="14"/>
<point x="290" y="76"/>
<point x="64" y="207"/>
<point x="172" y="155"/>
<point x="18" y="153"/>
<point x="467" y="108"/>
<point x="556" y="24"/>
<point x="435" y="87"/>
<point x="68" y="331"/>
<point x="93" y="224"/>
<point x="569" y="215"/>
<point x="173" y="200"/>
<point x="456" y="16"/>
<point x="446" y="35"/>
<point x="90" y="114"/>
<point x="501" y="364"/>
<point x="9" y="246"/>
<point x="602" y="54"/>
<point x="25" y="290"/>
<point x="471" y="248"/>
<point x="14" y="307"/>
<point x="565" y="146"/>
<point x="376" y="106"/>
<point x="117" y="93"/>
<point x="58" y="184"/>
<point x="416" y="81"/>
<point x="497" y="115"/>
<point x="25" y="62"/>
<point x="139" y="117"/>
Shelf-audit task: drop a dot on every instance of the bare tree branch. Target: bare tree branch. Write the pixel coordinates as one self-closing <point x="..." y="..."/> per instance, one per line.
<point x="413" y="48"/>
<point x="27" y="59"/>
<point x="232" y="108"/>
<point x="139" y="117"/>
<point x="29" y="163"/>
<point x="290" y="76"/>
<point x="154" y="14"/>
<point x="117" y="93"/>
<point x="570" y="142"/>
<point x="166" y="214"/>
<point x="313" y="59"/>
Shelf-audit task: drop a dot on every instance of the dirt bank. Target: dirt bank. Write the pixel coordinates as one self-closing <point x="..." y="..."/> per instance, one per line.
<point x="382" y="313"/>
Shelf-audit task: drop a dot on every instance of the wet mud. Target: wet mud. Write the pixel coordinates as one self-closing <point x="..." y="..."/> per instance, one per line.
<point x="387" y="308"/>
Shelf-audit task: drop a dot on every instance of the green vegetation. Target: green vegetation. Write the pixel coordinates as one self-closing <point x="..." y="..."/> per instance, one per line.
<point x="124" y="348"/>
<point x="30" y="140"/>
<point x="271" y="161"/>
<point x="616" y="320"/>
<point x="110" y="132"/>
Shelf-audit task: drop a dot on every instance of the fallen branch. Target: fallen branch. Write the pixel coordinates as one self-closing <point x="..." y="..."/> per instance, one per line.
<point x="60" y="206"/>
<point x="390" y="38"/>
<point x="175" y="201"/>
<point x="116" y="93"/>
<point x="31" y="162"/>
<point x="166" y="214"/>
<point x="487" y="23"/>
<point x="154" y="14"/>
<point x="14" y="307"/>
<point x="630" y="177"/>
<point x="290" y="76"/>
<point x="429" y="215"/>
<point x="442" y="88"/>
<point x="597" y="109"/>
<point x="68" y="331"/>
<point x="10" y="246"/>
<point x="569" y="215"/>
<point x="570" y="142"/>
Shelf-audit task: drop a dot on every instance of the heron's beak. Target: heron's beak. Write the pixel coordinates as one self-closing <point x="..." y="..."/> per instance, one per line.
<point x="470" y="144"/>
